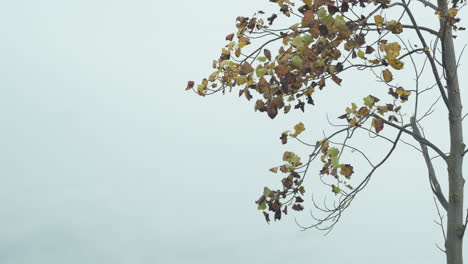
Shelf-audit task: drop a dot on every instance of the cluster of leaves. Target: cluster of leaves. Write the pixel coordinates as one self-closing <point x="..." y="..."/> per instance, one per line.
<point x="356" y="117"/>
<point x="450" y="16"/>
<point x="292" y="186"/>
<point x="312" y="52"/>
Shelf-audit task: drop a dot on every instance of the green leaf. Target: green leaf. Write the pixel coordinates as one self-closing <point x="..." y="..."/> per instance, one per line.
<point x="333" y="152"/>
<point x="297" y="61"/>
<point x="307" y="39"/>
<point x="369" y="101"/>
<point x="298" y="42"/>
<point x="335" y="161"/>
<point x="336" y="189"/>
<point x="339" y="22"/>
<point x="262" y="206"/>
<point x="262" y="59"/>
<point x="261" y="71"/>
<point x="266" y="191"/>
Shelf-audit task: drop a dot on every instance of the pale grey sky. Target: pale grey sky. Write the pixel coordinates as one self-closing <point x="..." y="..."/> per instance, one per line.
<point x="106" y="159"/>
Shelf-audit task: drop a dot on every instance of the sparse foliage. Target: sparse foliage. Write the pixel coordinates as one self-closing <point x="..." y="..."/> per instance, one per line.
<point x="325" y="39"/>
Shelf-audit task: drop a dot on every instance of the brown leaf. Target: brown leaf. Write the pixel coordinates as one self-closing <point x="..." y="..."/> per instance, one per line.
<point x="245" y="68"/>
<point x="387" y="75"/>
<point x="321" y="83"/>
<point x="308" y="18"/>
<point x="343" y="116"/>
<point x="310" y="100"/>
<point x="190" y="85"/>
<point x="272" y="18"/>
<point x="230" y="37"/>
<point x="346" y="170"/>
<point x="278" y="215"/>
<point x="281" y="70"/>
<point x="392" y="118"/>
<point x="267" y="217"/>
<point x="247" y="94"/>
<point x="284" y="138"/>
<point x="267" y="54"/>
<point x="369" y="50"/>
<point x="277" y="102"/>
<point x="336" y="79"/>
<point x="260" y="106"/>
<point x="333" y="9"/>
<point x="252" y="23"/>
<point x="363" y="111"/>
<point x="272" y="111"/>
<point x="297" y="207"/>
<point x="300" y="105"/>
<point x="378" y="124"/>
<point x="299" y="199"/>
<point x="295" y="175"/>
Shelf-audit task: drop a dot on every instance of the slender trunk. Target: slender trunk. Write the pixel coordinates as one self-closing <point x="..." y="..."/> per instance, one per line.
<point x="455" y="227"/>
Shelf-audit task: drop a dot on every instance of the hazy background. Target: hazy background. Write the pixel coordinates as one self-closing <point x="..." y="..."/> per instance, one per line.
<point x="104" y="158"/>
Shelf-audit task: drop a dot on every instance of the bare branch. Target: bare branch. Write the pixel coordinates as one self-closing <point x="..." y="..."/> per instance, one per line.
<point x="417" y="137"/>
<point x="429" y="4"/>
<point x="435" y="186"/>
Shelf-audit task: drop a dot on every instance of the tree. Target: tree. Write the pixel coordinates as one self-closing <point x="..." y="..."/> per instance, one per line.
<point x="322" y="41"/>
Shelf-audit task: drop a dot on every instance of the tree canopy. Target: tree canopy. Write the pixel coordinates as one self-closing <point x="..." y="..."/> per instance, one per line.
<point x="284" y="68"/>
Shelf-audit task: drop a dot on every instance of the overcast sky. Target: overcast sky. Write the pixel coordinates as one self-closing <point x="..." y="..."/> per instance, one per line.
<point x="104" y="158"/>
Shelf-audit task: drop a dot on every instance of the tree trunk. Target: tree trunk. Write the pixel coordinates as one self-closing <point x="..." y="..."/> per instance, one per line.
<point x="455" y="225"/>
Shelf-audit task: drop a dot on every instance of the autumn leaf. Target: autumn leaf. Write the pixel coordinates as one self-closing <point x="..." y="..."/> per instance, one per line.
<point x="387" y="75"/>
<point x="346" y="170"/>
<point x="267" y="217"/>
<point x="378" y="20"/>
<point x="298" y="129"/>
<point x="267" y="54"/>
<point x="369" y="50"/>
<point x="284" y="138"/>
<point x="369" y="101"/>
<point x="363" y="111"/>
<point x="281" y="70"/>
<point x="243" y="41"/>
<point x="361" y="54"/>
<point x="333" y="152"/>
<point x="190" y="85"/>
<point x="336" y="79"/>
<point x="336" y="189"/>
<point x="297" y="207"/>
<point x="302" y="190"/>
<point x="452" y="12"/>
<point x="378" y="124"/>
<point x="230" y="37"/>
<point x="245" y="68"/>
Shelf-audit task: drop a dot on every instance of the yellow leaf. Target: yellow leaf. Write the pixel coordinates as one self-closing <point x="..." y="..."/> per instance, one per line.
<point x="452" y="12"/>
<point x="243" y="41"/>
<point x="238" y="52"/>
<point x="396" y="64"/>
<point x="387" y="75"/>
<point x="298" y="129"/>
<point x="378" y="20"/>
<point x="361" y="54"/>
<point x="242" y="79"/>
